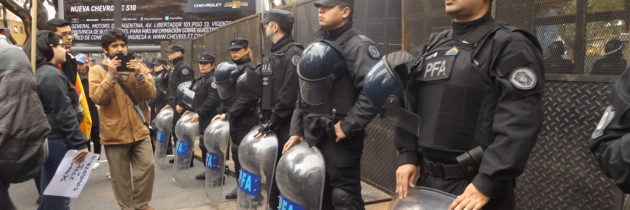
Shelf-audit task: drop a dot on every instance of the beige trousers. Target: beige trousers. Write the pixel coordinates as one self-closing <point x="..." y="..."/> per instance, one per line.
<point x="129" y="161"/>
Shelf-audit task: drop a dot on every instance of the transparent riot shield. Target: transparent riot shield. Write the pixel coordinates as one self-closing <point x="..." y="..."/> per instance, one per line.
<point x="216" y="138"/>
<point x="186" y="133"/>
<point x="424" y="198"/>
<point x="164" y="123"/>
<point x="300" y="176"/>
<point x="258" y="162"/>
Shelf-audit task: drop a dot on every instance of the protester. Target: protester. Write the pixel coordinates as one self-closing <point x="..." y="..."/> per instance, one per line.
<point x="122" y="91"/>
<point x="24" y="126"/>
<point x="60" y="101"/>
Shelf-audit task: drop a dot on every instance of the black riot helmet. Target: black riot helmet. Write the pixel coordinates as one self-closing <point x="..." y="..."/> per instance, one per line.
<point x="250" y="82"/>
<point x="387" y="78"/>
<point x="317" y="70"/>
<point x="384" y="86"/>
<point x="225" y="77"/>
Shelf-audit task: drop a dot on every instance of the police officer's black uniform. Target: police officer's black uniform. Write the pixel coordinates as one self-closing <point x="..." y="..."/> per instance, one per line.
<point x="280" y="85"/>
<point x="206" y="100"/>
<point x="242" y="114"/>
<point x="479" y="84"/>
<point x="161" y="83"/>
<point x="610" y="138"/>
<point x="350" y="107"/>
<point x="181" y="73"/>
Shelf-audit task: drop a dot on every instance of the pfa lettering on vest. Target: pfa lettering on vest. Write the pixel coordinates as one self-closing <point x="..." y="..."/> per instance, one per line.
<point x="437" y="68"/>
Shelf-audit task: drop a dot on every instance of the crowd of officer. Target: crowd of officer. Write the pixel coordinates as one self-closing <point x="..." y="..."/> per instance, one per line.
<point x="477" y="88"/>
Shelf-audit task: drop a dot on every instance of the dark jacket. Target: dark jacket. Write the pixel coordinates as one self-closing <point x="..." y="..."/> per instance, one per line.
<point x="351" y="103"/>
<point x="161" y="87"/>
<point x="23" y="126"/>
<point x="206" y="99"/>
<point x="70" y="69"/>
<point x="181" y="73"/>
<point x="242" y="114"/>
<point x="469" y="93"/>
<point x="613" y="64"/>
<point x="281" y="69"/>
<point x="60" y="101"/>
<point x="93" y="110"/>
<point x="610" y="140"/>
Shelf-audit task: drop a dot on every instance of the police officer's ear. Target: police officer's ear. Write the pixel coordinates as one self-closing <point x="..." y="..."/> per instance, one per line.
<point x="275" y="27"/>
<point x="346" y="10"/>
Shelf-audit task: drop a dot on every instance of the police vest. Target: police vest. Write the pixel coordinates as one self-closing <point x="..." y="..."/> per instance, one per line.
<point x="273" y="62"/>
<point x="452" y="86"/>
<point x="341" y="91"/>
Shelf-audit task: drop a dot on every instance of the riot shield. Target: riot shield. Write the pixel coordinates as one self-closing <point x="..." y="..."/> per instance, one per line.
<point x="186" y="133"/>
<point x="300" y="176"/>
<point x="424" y="198"/>
<point x="216" y="138"/>
<point x="164" y="123"/>
<point x="258" y="161"/>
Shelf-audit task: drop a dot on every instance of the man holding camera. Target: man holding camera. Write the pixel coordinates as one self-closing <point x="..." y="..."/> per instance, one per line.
<point x="121" y="86"/>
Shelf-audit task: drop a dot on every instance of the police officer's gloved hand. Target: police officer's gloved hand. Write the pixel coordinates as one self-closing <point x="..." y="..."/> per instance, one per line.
<point x="267" y="127"/>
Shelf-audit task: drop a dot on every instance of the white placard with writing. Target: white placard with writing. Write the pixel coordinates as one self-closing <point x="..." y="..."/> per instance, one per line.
<point x="70" y="177"/>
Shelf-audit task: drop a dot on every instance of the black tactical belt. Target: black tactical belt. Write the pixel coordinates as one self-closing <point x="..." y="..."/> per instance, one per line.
<point x="443" y="171"/>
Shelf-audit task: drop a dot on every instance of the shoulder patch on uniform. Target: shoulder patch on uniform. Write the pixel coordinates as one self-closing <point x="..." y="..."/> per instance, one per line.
<point x="295" y="60"/>
<point x="606" y="119"/>
<point x="373" y="51"/>
<point x="185" y="71"/>
<point x="213" y="85"/>
<point x="523" y="78"/>
<point x="453" y="51"/>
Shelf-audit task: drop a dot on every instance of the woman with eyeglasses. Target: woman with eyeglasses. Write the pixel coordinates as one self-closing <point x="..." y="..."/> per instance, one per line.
<point x="60" y="101"/>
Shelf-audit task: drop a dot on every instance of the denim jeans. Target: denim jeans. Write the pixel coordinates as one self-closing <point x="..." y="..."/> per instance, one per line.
<point x="56" y="150"/>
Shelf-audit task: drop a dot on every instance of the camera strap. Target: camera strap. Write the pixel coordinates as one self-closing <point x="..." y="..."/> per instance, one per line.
<point x="133" y="100"/>
<point x="135" y="104"/>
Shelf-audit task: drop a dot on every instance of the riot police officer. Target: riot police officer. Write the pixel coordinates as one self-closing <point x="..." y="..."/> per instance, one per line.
<point x="205" y="101"/>
<point x="609" y="140"/>
<point x="241" y="113"/>
<point x="279" y="80"/>
<point x="478" y="88"/>
<point x="160" y="75"/>
<point x="181" y="73"/>
<point x="333" y="111"/>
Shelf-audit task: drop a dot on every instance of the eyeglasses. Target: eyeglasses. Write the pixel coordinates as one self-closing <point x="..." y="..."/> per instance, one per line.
<point x="68" y="33"/>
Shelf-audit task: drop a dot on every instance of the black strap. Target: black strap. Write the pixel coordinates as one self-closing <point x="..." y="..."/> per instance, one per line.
<point x="133" y="100"/>
<point x="135" y="103"/>
<point x="443" y="171"/>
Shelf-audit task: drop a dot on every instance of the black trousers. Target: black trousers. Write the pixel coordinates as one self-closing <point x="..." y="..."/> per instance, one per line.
<point x="202" y="146"/>
<point x="95" y="134"/>
<point x="283" y="136"/>
<point x="343" y="169"/>
<point x="236" y="137"/>
<point x="5" y="200"/>
<point x="172" y="143"/>
<point x="505" y="200"/>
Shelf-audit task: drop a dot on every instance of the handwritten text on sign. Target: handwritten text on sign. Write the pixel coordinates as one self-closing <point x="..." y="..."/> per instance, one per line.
<point x="70" y="177"/>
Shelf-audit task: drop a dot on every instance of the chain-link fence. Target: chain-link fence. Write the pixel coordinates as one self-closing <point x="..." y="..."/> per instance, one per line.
<point x="584" y="43"/>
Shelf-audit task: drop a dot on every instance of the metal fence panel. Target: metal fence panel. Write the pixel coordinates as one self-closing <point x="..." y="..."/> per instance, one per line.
<point x="306" y="23"/>
<point x="380" y="20"/>
<point x="561" y="172"/>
